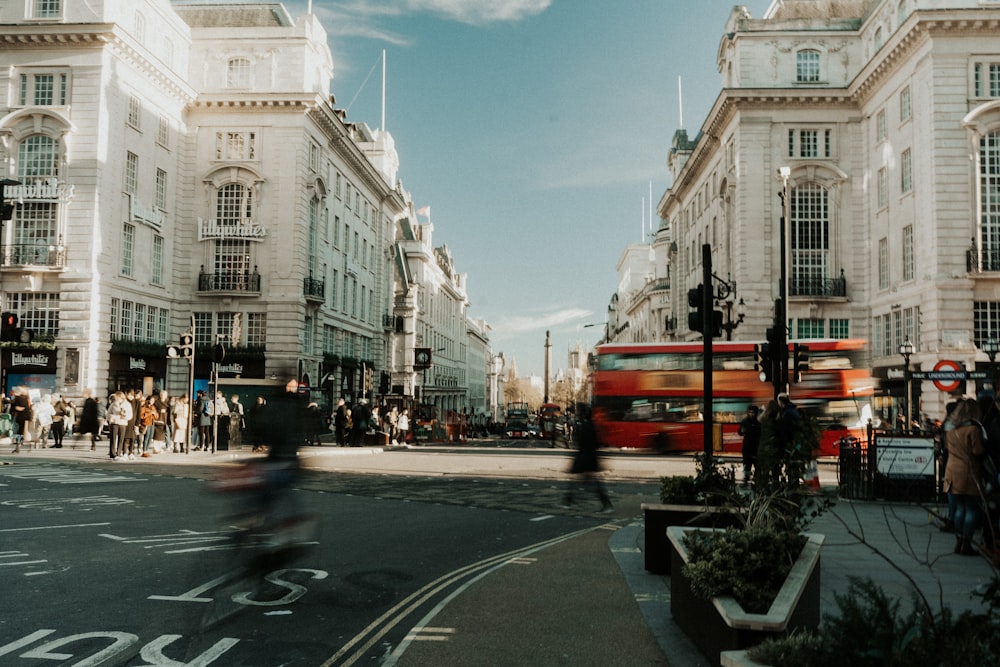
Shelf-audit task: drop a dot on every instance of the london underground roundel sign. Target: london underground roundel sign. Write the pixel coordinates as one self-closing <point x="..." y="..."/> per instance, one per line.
<point x="947" y="365"/>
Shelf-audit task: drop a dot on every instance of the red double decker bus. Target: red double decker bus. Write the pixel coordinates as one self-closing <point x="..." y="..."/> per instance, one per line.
<point x="651" y="395"/>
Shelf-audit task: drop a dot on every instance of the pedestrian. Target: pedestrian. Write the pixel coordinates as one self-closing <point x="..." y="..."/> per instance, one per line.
<point x="44" y="411"/>
<point x="58" y="421"/>
<point x="134" y="398"/>
<point x="255" y="417"/>
<point x="203" y="415"/>
<point x="359" y="423"/>
<point x="340" y="423"/>
<point x="221" y="428"/>
<point x="964" y="469"/>
<point x="180" y="413"/>
<point x="392" y="424"/>
<point x="89" y="420"/>
<point x="70" y="421"/>
<point x="403" y="426"/>
<point x="20" y="407"/>
<point x="750" y="429"/>
<point x="119" y="416"/>
<point x="769" y="452"/>
<point x="236" y="422"/>
<point x="163" y="408"/>
<point x="586" y="461"/>
<point x="147" y="417"/>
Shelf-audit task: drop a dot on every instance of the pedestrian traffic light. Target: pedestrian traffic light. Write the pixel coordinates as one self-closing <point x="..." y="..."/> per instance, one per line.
<point x="762" y="362"/>
<point x="800" y="355"/>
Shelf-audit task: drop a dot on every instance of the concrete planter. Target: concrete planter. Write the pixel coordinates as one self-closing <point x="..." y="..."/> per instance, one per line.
<point x="719" y="624"/>
<point x="658" y="517"/>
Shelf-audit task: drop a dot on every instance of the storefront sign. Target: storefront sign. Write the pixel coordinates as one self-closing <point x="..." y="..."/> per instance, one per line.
<point x="246" y="230"/>
<point x="142" y="213"/>
<point x="51" y="189"/>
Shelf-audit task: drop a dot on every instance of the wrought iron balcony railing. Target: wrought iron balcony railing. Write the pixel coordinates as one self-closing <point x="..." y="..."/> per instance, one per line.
<point x="33" y="254"/>
<point x="314" y="288"/>
<point x="229" y="281"/>
<point x="818" y="287"/>
<point x="986" y="260"/>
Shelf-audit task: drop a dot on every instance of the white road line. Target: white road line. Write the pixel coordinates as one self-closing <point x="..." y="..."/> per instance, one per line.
<point x="74" y="525"/>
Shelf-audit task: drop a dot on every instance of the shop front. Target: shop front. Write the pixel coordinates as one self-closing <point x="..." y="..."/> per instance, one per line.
<point x="133" y="371"/>
<point x="34" y="369"/>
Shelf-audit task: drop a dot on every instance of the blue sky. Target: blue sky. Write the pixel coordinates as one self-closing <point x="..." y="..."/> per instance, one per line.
<point x="532" y="129"/>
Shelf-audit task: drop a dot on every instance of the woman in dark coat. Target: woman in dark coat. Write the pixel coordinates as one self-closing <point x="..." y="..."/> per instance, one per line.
<point x="89" y="421"/>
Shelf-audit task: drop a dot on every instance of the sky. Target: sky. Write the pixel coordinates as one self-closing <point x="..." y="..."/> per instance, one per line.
<point x="534" y="130"/>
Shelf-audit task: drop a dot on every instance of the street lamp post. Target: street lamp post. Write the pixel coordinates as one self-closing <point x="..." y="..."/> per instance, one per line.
<point x="991" y="347"/>
<point x="730" y="323"/>
<point x="906" y="350"/>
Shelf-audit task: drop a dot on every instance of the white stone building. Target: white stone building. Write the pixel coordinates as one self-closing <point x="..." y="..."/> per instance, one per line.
<point x="184" y="165"/>
<point x="885" y="115"/>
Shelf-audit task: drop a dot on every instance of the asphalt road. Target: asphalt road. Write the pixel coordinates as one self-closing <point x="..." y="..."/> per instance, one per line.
<point x="114" y="564"/>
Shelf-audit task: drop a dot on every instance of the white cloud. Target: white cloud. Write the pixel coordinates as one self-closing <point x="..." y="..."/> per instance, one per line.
<point x="512" y="326"/>
<point x="481" y="12"/>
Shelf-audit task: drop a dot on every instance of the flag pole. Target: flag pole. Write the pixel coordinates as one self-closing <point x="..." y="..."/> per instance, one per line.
<point x="383" y="90"/>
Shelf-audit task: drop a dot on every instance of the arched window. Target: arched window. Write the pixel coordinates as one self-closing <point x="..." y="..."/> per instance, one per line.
<point x="810" y="242"/>
<point x="38" y="157"/>
<point x="238" y="73"/>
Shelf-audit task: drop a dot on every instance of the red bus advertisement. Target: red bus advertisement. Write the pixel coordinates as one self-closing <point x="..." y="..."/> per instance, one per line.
<point x="650" y="395"/>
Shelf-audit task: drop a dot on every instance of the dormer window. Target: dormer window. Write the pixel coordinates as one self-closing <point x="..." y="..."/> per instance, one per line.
<point x="807" y="66"/>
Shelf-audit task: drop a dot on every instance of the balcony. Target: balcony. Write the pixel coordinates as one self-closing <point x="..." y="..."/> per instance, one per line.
<point x="980" y="262"/>
<point x="813" y="286"/>
<point x="314" y="289"/>
<point x="245" y="282"/>
<point x="33" y="255"/>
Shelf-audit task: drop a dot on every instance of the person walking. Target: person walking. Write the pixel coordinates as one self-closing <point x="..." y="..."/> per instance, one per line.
<point x="20" y="407"/>
<point x="236" y="422"/>
<point x="119" y="416"/>
<point x="89" y="420"/>
<point x="586" y="461"/>
<point x="965" y="450"/>
<point x="750" y="429"/>
<point x="43" y="419"/>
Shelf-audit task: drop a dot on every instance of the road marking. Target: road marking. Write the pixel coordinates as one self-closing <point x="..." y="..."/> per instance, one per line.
<point x="544" y="517"/>
<point x="56" y="503"/>
<point x="59" y="475"/>
<point x="523" y="561"/>
<point x="430" y="634"/>
<point x="71" y="525"/>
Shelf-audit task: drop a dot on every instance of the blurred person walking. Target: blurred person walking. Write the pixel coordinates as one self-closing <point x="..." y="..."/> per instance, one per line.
<point x="966" y="448"/>
<point x="586" y="461"/>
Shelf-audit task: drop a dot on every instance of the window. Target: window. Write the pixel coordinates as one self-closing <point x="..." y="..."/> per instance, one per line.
<point x="256" y="329"/>
<point x="37" y="158"/>
<point x="985" y="321"/>
<point x="338" y="184"/>
<point x="128" y="247"/>
<point x="807" y="66"/>
<point x="156" y="276"/>
<point x="38" y="311"/>
<point x="47" y="9"/>
<point x="336" y="231"/>
<point x="882" y="188"/>
<point x="810" y="242"/>
<point x="131" y="172"/>
<point x="908" y="252"/>
<point x="235" y="145"/>
<point x="233" y="207"/>
<point x="34" y="235"/>
<point x="134" y="111"/>
<point x="910" y="328"/>
<point x="43" y="89"/>
<point x="125" y="323"/>
<point x="163" y="132"/>
<point x="840" y="328"/>
<point x="333" y="289"/>
<point x="239" y="73"/>
<point x="883" y="263"/>
<point x="880" y="127"/>
<point x="161" y="189"/>
<point x="906" y="171"/>
<point x="987" y="79"/>
<point x="140" y="28"/>
<point x="809" y="329"/>
<point x="314" y="155"/>
<point x="904" y="105"/>
<point x="809" y="143"/>
<point x="139" y="322"/>
<point x="203" y="329"/>
<point x="989" y="177"/>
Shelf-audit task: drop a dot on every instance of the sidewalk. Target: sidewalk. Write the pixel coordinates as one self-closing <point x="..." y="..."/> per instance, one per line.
<point x="589" y="600"/>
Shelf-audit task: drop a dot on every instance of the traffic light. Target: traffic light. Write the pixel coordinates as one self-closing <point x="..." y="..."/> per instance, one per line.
<point x="800" y="355"/>
<point x="696" y="319"/>
<point x="9" y="330"/>
<point x="383" y="384"/>
<point x="184" y="349"/>
<point x="762" y="362"/>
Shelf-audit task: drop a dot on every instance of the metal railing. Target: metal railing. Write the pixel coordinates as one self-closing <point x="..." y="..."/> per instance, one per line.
<point x="816" y="286"/>
<point x="33" y="254"/>
<point x="314" y="287"/>
<point x="229" y="281"/>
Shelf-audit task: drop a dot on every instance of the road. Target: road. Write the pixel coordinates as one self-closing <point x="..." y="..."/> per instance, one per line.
<point x="114" y="564"/>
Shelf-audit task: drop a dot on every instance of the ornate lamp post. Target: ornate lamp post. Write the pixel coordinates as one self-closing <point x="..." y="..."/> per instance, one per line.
<point x="906" y="350"/>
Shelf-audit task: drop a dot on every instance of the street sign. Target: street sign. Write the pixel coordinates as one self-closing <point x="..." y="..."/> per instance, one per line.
<point x="948" y="375"/>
